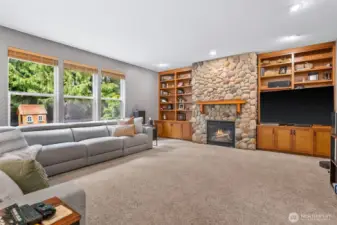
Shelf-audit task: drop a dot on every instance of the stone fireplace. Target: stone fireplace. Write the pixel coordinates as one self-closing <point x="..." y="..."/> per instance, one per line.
<point x="233" y="77"/>
<point x="221" y="133"/>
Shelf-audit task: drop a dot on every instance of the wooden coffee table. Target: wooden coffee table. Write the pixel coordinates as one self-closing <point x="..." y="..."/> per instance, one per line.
<point x="72" y="219"/>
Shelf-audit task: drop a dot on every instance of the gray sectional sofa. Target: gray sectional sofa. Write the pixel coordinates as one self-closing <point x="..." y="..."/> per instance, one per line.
<point x="70" y="146"/>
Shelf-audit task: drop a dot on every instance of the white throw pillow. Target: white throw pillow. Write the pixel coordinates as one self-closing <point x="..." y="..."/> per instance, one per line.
<point x="11" y="141"/>
<point x="8" y="189"/>
<point x="138" y="124"/>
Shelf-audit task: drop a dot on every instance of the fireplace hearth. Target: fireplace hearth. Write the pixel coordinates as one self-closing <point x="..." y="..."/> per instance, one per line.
<point x="221" y="133"/>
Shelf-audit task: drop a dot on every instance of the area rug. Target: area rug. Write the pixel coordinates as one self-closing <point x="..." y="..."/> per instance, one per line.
<point x="181" y="182"/>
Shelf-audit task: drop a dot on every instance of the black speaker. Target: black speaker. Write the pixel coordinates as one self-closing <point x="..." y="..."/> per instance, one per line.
<point x="275" y="84"/>
<point x="139" y="114"/>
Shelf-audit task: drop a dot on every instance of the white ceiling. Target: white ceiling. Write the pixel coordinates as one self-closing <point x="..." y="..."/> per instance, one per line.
<point x="177" y="32"/>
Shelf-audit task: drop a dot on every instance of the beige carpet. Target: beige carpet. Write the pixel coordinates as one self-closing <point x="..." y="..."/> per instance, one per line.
<point x="185" y="183"/>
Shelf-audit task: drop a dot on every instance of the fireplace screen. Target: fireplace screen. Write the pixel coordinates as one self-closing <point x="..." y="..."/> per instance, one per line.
<point x="221" y="133"/>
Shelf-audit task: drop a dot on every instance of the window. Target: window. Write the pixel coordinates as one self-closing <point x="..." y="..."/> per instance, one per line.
<point x="112" y="99"/>
<point x="31" y="82"/>
<point x="40" y="118"/>
<point x="78" y="92"/>
<point x="30" y="119"/>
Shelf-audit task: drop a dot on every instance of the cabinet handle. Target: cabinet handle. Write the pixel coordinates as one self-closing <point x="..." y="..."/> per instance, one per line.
<point x="314" y="133"/>
<point x="295" y="132"/>
<point x="291" y="132"/>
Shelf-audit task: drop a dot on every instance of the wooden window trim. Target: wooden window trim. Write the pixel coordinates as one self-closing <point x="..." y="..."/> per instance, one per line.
<point x="113" y="73"/>
<point x="31" y="56"/>
<point x="79" y="67"/>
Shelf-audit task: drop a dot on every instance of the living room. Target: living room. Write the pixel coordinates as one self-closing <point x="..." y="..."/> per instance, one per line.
<point x="169" y="112"/>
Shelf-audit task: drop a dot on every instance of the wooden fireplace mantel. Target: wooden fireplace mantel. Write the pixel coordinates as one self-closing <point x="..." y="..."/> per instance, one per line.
<point x="236" y="102"/>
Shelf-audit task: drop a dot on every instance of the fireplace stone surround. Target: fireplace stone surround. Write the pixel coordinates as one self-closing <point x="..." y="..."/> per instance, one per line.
<point x="233" y="77"/>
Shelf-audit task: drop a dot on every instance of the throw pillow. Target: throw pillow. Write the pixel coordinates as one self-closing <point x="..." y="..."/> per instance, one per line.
<point x="126" y="121"/>
<point x="139" y="124"/>
<point x="29" y="175"/>
<point x="12" y="140"/>
<point x="8" y="189"/>
<point x="27" y="153"/>
<point x="124" y="130"/>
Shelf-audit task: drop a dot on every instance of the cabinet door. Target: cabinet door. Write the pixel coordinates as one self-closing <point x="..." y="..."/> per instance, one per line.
<point x="303" y="140"/>
<point x="283" y="138"/>
<point x="167" y="129"/>
<point x="176" y="130"/>
<point x="265" y="138"/>
<point x="187" y="131"/>
<point x="160" y="129"/>
<point x="322" y="143"/>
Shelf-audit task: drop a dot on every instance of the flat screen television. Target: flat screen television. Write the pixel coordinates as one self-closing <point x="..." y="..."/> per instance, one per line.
<point x="301" y="106"/>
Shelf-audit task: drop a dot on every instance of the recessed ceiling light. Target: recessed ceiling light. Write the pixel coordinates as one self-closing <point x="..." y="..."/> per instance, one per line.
<point x="301" y="5"/>
<point x="290" y="38"/>
<point x="212" y="53"/>
<point x="162" y="65"/>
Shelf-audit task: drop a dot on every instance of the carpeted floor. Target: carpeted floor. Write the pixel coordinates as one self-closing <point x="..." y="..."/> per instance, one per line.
<point x="185" y="183"/>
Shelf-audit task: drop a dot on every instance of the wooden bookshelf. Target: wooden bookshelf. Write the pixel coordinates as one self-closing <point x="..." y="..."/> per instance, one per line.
<point x="299" y="63"/>
<point x="175" y="86"/>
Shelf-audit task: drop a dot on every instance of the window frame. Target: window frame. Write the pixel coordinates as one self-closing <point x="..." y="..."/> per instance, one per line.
<point x="121" y="98"/>
<point x="30" y="119"/>
<point x="30" y="94"/>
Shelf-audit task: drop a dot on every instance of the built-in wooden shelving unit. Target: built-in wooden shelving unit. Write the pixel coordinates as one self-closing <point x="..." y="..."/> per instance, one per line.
<point x="175" y="104"/>
<point x="305" y="67"/>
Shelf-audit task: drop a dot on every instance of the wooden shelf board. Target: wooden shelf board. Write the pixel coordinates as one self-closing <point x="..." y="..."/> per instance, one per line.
<point x="278" y="75"/>
<point x="184" y="78"/>
<point x="167" y="103"/>
<point x="167" y="96"/>
<point x="313" y="82"/>
<point x="167" y="110"/>
<point x="183" y="94"/>
<point x="275" y="65"/>
<point x="185" y="103"/>
<point x="274" y="89"/>
<point x="167" y="88"/>
<point x="313" y="59"/>
<point x="184" y="110"/>
<point x="314" y="69"/>
<point x="166" y="81"/>
<point x="188" y="86"/>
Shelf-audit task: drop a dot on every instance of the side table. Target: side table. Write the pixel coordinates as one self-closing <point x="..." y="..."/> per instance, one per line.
<point x="154" y="133"/>
<point x="72" y="219"/>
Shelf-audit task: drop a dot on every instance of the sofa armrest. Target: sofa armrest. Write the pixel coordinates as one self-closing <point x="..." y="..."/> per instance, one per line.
<point x="68" y="192"/>
<point x="149" y="132"/>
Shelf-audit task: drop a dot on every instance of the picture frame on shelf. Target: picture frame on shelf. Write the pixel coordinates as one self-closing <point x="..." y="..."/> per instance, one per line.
<point x="180" y="84"/>
<point x="181" y="106"/>
<point x="283" y="70"/>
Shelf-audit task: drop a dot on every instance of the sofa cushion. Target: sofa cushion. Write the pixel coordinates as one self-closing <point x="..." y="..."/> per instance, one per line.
<point x="29" y="175"/>
<point x="138" y="139"/>
<point x="102" y="145"/>
<point x="62" y="152"/>
<point x="11" y="141"/>
<point x="49" y="137"/>
<point x="39" y="127"/>
<point x="83" y="133"/>
<point x="8" y="188"/>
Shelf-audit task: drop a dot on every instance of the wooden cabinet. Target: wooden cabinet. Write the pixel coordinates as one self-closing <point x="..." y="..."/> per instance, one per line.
<point x="302" y="140"/>
<point x="322" y="142"/>
<point x="174" y="129"/>
<point x="265" y="138"/>
<point x="283" y="138"/>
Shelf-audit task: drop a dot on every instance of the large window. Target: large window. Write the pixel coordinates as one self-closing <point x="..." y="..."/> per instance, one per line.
<point x="31" y="84"/>
<point x="34" y="91"/>
<point x="78" y="92"/>
<point x="112" y="99"/>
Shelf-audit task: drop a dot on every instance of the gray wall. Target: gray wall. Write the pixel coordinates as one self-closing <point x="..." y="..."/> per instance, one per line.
<point x="141" y="84"/>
